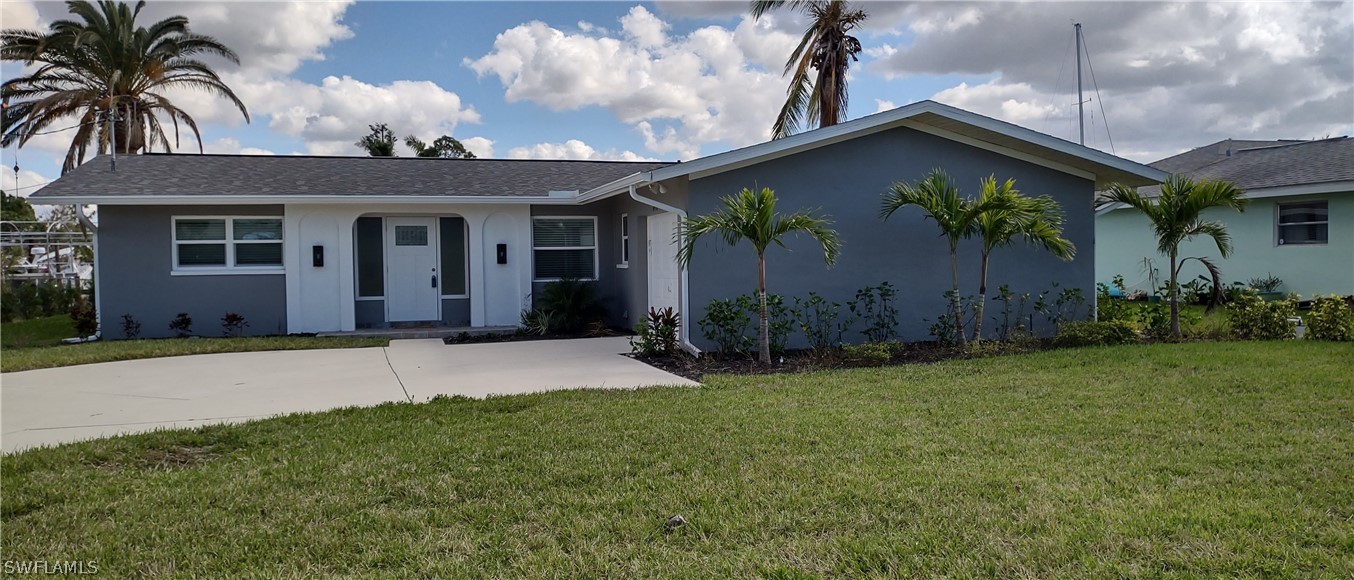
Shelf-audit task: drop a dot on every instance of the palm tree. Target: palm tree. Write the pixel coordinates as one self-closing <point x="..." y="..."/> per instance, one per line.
<point x="752" y="216"/>
<point x="103" y="67"/>
<point x="1038" y="220"/>
<point x="957" y="217"/>
<point x="828" y="48"/>
<point x="1176" y="216"/>
<point x="445" y="146"/>
<point x="380" y="142"/>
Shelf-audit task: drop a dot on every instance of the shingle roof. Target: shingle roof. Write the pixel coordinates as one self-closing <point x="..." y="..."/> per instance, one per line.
<point x="1211" y="153"/>
<point x="210" y="175"/>
<point x="1278" y="165"/>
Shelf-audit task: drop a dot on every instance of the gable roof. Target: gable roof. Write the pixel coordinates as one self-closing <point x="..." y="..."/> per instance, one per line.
<point x="1211" y="153"/>
<point x="945" y="121"/>
<point x="157" y="176"/>
<point x="1279" y="164"/>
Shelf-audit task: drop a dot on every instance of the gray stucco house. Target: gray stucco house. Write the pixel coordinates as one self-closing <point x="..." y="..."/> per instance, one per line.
<point x="323" y="244"/>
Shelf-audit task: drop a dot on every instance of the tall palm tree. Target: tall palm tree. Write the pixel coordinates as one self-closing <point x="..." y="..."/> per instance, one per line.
<point x="828" y="48"/>
<point x="752" y="216"/>
<point x="101" y="66"/>
<point x="380" y="142"/>
<point x="955" y="215"/>
<point x="1037" y="220"/>
<point x="1176" y="216"/>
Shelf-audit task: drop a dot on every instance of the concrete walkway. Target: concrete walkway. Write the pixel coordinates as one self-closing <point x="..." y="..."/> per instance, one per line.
<point x="50" y="406"/>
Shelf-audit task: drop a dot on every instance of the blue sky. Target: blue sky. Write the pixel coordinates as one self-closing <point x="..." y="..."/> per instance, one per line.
<point x="670" y="80"/>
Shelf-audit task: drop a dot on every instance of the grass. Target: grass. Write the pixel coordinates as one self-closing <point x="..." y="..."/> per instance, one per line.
<point x="41" y="357"/>
<point x="1200" y="459"/>
<point x="47" y="331"/>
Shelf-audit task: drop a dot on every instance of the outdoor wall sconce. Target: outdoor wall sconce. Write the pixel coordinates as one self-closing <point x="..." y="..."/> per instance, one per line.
<point x="317" y="256"/>
<point x="503" y="253"/>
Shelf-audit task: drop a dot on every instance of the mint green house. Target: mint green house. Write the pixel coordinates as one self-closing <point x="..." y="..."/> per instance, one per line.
<point x="1299" y="225"/>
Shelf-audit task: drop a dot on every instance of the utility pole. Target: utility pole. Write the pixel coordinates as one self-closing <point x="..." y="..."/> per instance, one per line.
<point x="1081" y="103"/>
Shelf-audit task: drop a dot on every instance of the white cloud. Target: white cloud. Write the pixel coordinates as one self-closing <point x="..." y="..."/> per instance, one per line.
<point x="572" y="149"/>
<point x="680" y="92"/>
<point x="28" y="181"/>
<point x="482" y="147"/>
<point x="881" y="105"/>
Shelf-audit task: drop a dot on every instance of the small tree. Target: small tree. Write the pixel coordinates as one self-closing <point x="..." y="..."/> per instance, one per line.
<point x="1038" y="220"/>
<point x="445" y="146"/>
<point x="955" y="215"/>
<point x="1176" y="216"/>
<point x="380" y="142"/>
<point x="752" y="216"/>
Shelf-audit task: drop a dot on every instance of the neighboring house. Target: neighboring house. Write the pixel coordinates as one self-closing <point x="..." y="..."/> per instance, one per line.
<point x="1299" y="225"/>
<point x="318" y="244"/>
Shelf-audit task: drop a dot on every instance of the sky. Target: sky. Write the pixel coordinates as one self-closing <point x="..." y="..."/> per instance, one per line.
<point x="674" y="80"/>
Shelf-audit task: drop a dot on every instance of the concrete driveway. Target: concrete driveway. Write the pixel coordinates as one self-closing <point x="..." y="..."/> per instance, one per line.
<point x="51" y="406"/>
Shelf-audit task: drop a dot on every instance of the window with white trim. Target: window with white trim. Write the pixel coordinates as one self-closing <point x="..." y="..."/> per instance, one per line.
<point x="625" y="241"/>
<point x="564" y="247"/>
<point x="1306" y="222"/>
<point x="214" y="243"/>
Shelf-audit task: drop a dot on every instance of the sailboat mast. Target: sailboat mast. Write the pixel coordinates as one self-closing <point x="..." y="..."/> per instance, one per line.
<point x="1081" y="103"/>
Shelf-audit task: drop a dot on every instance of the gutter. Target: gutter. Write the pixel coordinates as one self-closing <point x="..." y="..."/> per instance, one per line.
<point x="685" y="281"/>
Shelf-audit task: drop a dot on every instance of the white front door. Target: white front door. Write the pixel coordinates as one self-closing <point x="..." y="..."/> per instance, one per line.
<point x="412" y="280"/>
<point x="664" y="277"/>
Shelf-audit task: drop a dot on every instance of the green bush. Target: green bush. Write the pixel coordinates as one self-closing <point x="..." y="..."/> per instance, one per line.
<point x="572" y="304"/>
<point x="726" y="324"/>
<point x="1330" y="319"/>
<point x="870" y="354"/>
<point x="656" y="334"/>
<point x="778" y="320"/>
<point x="1096" y="333"/>
<point x="1255" y="319"/>
<point x="28" y="300"/>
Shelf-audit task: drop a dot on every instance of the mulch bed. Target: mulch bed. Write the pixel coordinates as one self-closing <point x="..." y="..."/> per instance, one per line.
<point x="802" y="361"/>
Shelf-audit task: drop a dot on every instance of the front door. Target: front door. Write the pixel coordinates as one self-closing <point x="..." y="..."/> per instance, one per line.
<point x="412" y="284"/>
<point x="664" y="276"/>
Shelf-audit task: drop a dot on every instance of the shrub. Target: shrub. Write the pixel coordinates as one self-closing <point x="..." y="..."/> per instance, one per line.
<point x="573" y="302"/>
<point x="1096" y="333"/>
<point x="870" y="354"/>
<point x="85" y="318"/>
<point x="726" y="324"/>
<point x="821" y="321"/>
<point x="539" y="321"/>
<point x="1330" y="319"/>
<point x="779" y="322"/>
<point x="26" y="300"/>
<point x="1256" y="319"/>
<point x="874" y="306"/>
<point x="1269" y="283"/>
<point x="943" y="329"/>
<point x="130" y="327"/>
<point x="182" y="325"/>
<point x="656" y="334"/>
<point x="1010" y="324"/>
<point x="1066" y="306"/>
<point x="233" y="325"/>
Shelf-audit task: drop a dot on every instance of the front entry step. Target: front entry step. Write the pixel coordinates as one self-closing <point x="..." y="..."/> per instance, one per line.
<point x="425" y="331"/>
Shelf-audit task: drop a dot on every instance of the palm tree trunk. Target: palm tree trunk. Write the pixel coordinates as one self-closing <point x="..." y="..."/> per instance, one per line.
<point x="1175" y="300"/>
<point x="763" y="330"/>
<point x="955" y="302"/>
<point x="982" y="300"/>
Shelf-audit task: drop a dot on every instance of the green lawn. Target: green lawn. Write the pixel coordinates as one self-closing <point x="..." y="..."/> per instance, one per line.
<point x="1199" y="459"/>
<point x="46" y="331"/>
<point x="62" y="355"/>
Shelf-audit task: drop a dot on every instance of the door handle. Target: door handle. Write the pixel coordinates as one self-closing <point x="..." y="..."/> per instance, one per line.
<point x="434" y="280"/>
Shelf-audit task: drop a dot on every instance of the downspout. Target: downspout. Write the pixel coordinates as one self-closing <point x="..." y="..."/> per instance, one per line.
<point x="98" y="291"/>
<point x="686" y="296"/>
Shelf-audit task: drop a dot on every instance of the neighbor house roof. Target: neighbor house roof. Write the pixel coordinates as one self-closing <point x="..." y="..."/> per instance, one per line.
<point x="160" y="177"/>
<point x="1278" y="164"/>
<point x="937" y="119"/>
<point x="1211" y="153"/>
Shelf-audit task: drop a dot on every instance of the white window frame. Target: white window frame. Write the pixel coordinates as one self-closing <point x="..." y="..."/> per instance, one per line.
<point x="595" y="265"/>
<point x="229" y="267"/>
<point x="1278" y="227"/>
<point x="465" y="239"/>
<point x="625" y="242"/>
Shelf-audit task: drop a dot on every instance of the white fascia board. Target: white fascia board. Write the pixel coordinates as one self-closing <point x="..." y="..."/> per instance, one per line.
<point x="616" y="187"/>
<point x="300" y="199"/>
<point x="898" y="117"/>
<point x="1286" y="191"/>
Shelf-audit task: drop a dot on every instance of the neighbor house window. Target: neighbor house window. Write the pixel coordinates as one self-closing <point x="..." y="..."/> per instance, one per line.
<point x="564" y="247"/>
<point x="625" y="241"/>
<point x="212" y="243"/>
<point x="1303" y="223"/>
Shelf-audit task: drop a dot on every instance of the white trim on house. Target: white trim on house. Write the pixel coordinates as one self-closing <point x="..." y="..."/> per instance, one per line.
<point x="1267" y="192"/>
<point x="229" y="241"/>
<point x="596" y="249"/>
